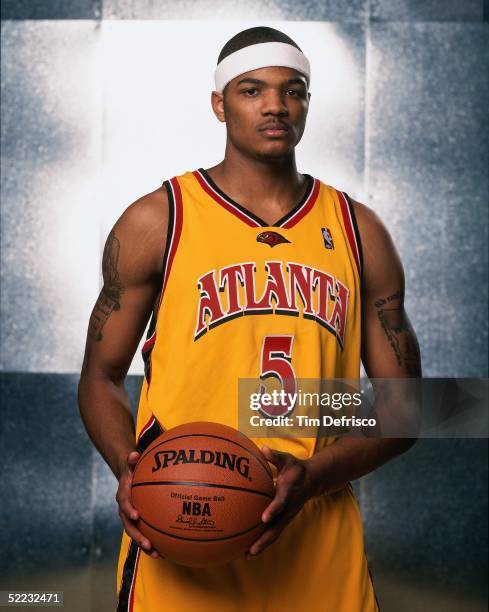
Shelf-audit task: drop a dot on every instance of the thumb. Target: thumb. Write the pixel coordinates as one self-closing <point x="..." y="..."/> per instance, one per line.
<point x="278" y="458"/>
<point x="132" y="458"/>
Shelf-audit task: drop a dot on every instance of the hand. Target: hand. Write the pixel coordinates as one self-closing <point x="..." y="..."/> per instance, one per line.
<point x="128" y="513"/>
<point x="294" y="487"/>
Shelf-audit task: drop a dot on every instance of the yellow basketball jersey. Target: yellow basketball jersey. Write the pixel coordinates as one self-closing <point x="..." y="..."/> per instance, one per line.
<point x="240" y="296"/>
<point x="242" y="300"/>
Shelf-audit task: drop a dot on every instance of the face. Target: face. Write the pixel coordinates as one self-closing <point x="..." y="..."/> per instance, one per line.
<point x="265" y="111"/>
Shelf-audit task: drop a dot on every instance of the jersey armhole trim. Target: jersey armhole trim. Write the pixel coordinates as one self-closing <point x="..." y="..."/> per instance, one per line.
<point x="148" y="434"/>
<point x="351" y="228"/>
<point x="356" y="231"/>
<point x="175" y="220"/>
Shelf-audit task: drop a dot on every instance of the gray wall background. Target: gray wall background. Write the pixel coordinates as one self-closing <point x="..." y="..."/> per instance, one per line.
<point x="415" y="145"/>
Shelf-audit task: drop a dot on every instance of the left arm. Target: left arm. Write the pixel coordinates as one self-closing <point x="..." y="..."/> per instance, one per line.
<point x="389" y="350"/>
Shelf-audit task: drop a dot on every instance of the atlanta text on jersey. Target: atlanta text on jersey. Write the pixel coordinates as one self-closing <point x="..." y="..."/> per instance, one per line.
<point x="324" y="298"/>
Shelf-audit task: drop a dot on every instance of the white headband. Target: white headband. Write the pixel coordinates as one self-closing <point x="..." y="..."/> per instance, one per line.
<point x="261" y="55"/>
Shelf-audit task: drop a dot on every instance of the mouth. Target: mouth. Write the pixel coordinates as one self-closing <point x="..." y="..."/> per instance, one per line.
<point x="275" y="129"/>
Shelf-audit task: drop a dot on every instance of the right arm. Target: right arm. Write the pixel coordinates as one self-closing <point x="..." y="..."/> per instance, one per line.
<point x="131" y="266"/>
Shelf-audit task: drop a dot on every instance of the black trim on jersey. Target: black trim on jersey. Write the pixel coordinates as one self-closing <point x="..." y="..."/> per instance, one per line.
<point x="149" y="436"/>
<point x="217" y="323"/>
<point x="258" y="311"/>
<point x="255" y="218"/>
<point x="130" y="563"/>
<point x="171" y="224"/>
<point x="357" y="233"/>
<point x="287" y="313"/>
<point x="147" y="365"/>
<point x="127" y="577"/>
<point x="291" y="213"/>
<point x="146" y="354"/>
<point x="152" y="325"/>
<point x="228" y="199"/>
<point x="235" y="315"/>
<point x="200" y="334"/>
<point x="225" y="319"/>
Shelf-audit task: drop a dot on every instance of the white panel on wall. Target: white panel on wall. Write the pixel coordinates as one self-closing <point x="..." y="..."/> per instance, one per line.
<point x="51" y="155"/>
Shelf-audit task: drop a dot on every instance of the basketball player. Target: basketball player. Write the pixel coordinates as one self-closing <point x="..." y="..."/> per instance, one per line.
<point x="199" y="256"/>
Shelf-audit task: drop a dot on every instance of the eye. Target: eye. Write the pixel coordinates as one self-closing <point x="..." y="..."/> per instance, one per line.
<point x="250" y="92"/>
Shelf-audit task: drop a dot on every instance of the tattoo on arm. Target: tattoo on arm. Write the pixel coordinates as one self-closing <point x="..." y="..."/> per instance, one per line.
<point x="399" y="332"/>
<point x="110" y="296"/>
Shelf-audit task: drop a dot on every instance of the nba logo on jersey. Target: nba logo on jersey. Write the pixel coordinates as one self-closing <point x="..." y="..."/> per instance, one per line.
<point x="328" y="239"/>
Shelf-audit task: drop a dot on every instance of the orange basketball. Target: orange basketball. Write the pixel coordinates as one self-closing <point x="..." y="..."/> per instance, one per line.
<point x="200" y="490"/>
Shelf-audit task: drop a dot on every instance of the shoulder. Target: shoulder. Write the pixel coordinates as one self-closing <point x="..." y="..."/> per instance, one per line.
<point x="140" y="233"/>
<point x="380" y="255"/>
<point x="370" y="226"/>
<point x="369" y="223"/>
<point x="374" y="235"/>
<point x="147" y="212"/>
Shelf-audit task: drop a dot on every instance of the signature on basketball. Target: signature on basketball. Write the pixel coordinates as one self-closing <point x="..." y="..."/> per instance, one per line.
<point x="195" y="521"/>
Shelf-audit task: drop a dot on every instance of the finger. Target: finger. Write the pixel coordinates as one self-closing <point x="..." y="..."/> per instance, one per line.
<point x="267" y="538"/>
<point x="132" y="459"/>
<point x="278" y="458"/>
<point x="128" y="509"/>
<point x="134" y="533"/>
<point x="277" y="505"/>
<point x="124" y="499"/>
<point x="152" y="552"/>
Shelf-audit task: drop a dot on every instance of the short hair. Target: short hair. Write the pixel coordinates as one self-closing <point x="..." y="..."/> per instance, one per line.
<point x="254" y="36"/>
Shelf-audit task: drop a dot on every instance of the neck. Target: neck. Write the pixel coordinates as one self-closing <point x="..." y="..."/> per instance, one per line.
<point x="236" y="163"/>
<point x="265" y="173"/>
<point x="268" y="188"/>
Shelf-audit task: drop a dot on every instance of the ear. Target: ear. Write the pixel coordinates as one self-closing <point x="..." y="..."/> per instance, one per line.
<point x="217" y="101"/>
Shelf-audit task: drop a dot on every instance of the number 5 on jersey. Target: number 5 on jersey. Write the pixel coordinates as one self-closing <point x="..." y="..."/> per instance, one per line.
<point x="276" y="358"/>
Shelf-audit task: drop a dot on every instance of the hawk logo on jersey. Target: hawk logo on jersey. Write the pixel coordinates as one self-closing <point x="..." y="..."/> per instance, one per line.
<point x="328" y="239"/>
<point x="271" y="238"/>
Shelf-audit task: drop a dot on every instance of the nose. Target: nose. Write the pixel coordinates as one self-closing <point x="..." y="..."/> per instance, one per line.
<point x="274" y="103"/>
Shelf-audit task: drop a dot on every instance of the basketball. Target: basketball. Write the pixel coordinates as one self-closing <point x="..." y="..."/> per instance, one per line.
<point x="200" y="490"/>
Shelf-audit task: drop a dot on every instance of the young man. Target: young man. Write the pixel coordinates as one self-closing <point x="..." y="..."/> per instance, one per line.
<point x="250" y="236"/>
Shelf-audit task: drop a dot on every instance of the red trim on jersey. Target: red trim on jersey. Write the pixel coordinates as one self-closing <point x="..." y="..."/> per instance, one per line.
<point x="177" y="230"/>
<point x="286" y="222"/>
<point x="133" y="585"/>
<point x="149" y="342"/>
<point x="148" y="425"/>
<point x="220" y="200"/>
<point x="305" y="208"/>
<point x="350" y="232"/>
